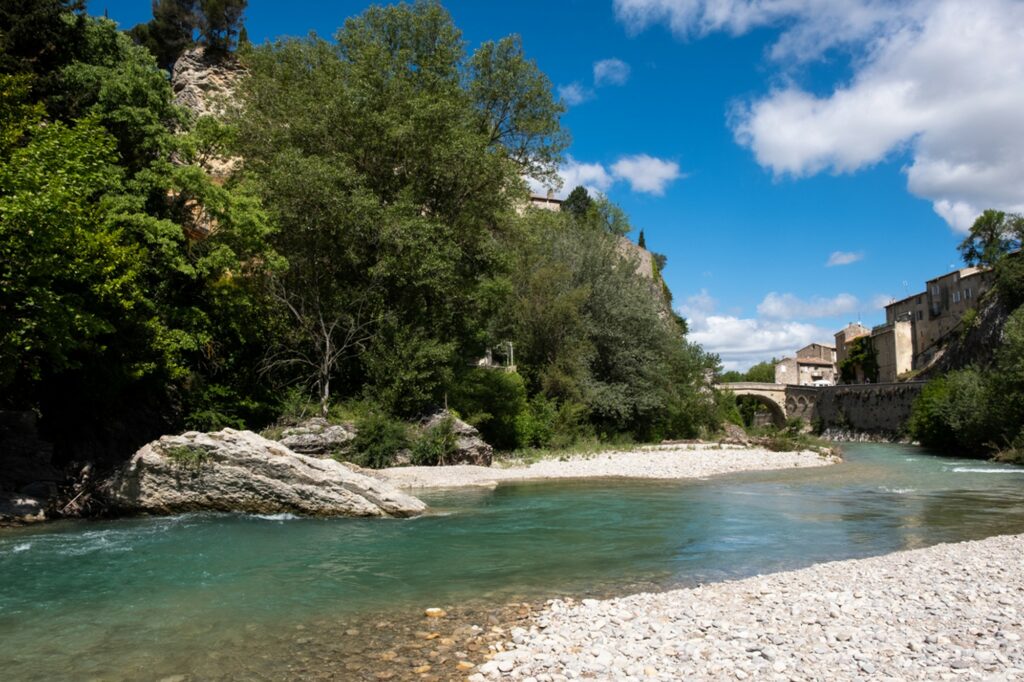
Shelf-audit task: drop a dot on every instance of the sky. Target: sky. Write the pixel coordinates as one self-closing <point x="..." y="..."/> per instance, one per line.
<point x="799" y="162"/>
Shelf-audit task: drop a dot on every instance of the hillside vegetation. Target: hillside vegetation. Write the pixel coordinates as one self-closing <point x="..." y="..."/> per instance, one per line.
<point x="371" y="246"/>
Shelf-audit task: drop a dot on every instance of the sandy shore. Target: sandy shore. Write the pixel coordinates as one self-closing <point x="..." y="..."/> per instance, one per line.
<point x="660" y="462"/>
<point x="947" y="612"/>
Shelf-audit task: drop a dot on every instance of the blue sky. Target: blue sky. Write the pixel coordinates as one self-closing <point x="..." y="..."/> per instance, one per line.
<point x="753" y="141"/>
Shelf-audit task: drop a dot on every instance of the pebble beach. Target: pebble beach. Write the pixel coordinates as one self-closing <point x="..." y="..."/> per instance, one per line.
<point x="948" y="612"/>
<point x="655" y="462"/>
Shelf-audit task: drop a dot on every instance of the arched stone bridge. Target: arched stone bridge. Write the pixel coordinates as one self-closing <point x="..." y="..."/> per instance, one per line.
<point x="783" y="400"/>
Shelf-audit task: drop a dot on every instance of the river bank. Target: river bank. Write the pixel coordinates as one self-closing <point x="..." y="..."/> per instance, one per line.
<point x="946" y="612"/>
<point x="664" y="462"/>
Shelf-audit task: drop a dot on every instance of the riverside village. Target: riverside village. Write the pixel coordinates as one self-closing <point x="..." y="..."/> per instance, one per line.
<point x="428" y="340"/>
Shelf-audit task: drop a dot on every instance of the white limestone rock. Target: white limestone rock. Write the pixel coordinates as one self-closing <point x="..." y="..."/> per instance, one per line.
<point x="318" y="437"/>
<point x="241" y="471"/>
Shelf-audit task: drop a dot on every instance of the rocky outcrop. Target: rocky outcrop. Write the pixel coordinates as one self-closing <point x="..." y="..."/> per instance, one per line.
<point x="470" y="448"/>
<point x="319" y="438"/>
<point x="205" y="85"/>
<point x="242" y="471"/>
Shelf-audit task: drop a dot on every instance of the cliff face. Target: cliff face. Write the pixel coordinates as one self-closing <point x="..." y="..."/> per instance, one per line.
<point x="205" y="84"/>
<point x="646" y="269"/>
<point x="978" y="345"/>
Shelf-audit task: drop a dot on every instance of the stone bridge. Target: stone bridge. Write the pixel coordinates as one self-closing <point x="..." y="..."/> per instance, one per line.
<point x="868" y="408"/>
<point x="782" y="400"/>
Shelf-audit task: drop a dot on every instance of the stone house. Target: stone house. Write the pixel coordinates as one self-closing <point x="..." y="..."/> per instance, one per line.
<point x="814" y="365"/>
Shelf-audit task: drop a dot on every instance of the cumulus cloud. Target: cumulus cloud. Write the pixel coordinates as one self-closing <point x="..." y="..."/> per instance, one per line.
<point x="777" y="306"/>
<point x="844" y="258"/>
<point x="574" y="93"/>
<point x="939" y="80"/>
<point x="741" y="342"/>
<point x="645" y="173"/>
<point x="610" y="72"/>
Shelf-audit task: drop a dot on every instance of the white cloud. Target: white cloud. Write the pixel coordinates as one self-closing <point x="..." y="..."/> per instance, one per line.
<point x="742" y="342"/>
<point x="879" y="301"/>
<point x="574" y="93"/>
<point x="777" y="306"/>
<point x="938" y="79"/>
<point x="844" y="258"/>
<point x="610" y="72"/>
<point x="645" y="173"/>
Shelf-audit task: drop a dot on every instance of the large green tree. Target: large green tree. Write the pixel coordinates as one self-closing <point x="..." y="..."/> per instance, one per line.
<point x="390" y="161"/>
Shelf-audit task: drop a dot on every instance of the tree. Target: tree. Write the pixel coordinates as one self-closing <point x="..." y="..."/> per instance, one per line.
<point x="170" y="32"/>
<point x="993" y="235"/>
<point x="641" y="242"/>
<point x="516" y="110"/>
<point x="578" y="203"/>
<point x="219" y="23"/>
<point x="391" y="163"/>
<point x="994" y="241"/>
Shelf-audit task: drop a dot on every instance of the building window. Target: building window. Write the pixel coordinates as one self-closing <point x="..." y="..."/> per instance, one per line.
<point x="956" y="297"/>
<point x="920" y="314"/>
<point x="967" y="293"/>
<point x="919" y="300"/>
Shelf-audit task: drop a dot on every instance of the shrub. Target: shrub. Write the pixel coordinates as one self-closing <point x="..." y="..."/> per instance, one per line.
<point x="378" y="440"/>
<point x="435" y="445"/>
<point x="951" y="414"/>
<point x="492" y="401"/>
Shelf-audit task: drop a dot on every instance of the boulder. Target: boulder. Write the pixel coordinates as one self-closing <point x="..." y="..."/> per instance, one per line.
<point x="241" y="471"/>
<point x="17" y="508"/>
<point x="734" y="435"/>
<point x="470" y="448"/>
<point x="318" y="437"/>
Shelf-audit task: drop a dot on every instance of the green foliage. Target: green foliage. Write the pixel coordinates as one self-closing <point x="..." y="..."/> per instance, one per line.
<point x="641" y="241"/>
<point x="176" y="24"/>
<point x="378" y="440"/>
<point x="762" y="372"/>
<point x="578" y="204"/>
<point x="492" y="401"/>
<point x="189" y="456"/>
<point x="435" y="445"/>
<point x="994" y="241"/>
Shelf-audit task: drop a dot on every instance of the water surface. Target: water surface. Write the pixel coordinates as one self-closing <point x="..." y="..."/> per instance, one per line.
<point x="222" y="596"/>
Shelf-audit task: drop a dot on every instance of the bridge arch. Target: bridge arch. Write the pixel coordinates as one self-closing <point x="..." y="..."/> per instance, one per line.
<point x="774" y="409"/>
<point x="772" y="396"/>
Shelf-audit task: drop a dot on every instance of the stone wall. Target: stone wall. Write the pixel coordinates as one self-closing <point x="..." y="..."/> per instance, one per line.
<point x="867" y="408"/>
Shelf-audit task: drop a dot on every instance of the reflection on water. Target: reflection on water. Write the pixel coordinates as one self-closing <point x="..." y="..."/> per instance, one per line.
<point x="218" y="594"/>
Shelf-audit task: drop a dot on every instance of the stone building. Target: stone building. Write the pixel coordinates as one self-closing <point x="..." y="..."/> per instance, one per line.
<point x="916" y="326"/>
<point x="936" y="311"/>
<point x="814" y="365"/>
<point x="846" y="336"/>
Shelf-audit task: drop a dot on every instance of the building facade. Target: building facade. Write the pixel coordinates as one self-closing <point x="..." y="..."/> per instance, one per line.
<point x="917" y="326"/>
<point x="814" y="365"/>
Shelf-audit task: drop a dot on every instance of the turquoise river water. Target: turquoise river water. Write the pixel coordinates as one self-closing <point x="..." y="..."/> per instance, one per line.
<point x="223" y="596"/>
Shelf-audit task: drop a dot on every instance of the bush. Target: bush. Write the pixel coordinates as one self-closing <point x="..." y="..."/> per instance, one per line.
<point x="435" y="445"/>
<point x="492" y="401"/>
<point x="547" y="424"/>
<point x="951" y="414"/>
<point x="378" y="439"/>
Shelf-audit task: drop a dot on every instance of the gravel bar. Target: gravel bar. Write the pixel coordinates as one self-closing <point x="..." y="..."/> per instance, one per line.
<point x="948" y="612"/>
<point x="656" y="462"/>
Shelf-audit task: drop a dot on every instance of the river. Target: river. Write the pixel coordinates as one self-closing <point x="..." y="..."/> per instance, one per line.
<point x="241" y="597"/>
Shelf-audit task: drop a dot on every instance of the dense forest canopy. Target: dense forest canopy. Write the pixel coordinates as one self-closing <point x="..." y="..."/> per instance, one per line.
<point x="373" y="243"/>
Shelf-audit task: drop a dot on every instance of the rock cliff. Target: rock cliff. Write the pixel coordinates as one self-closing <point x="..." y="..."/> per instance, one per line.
<point x="241" y="471"/>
